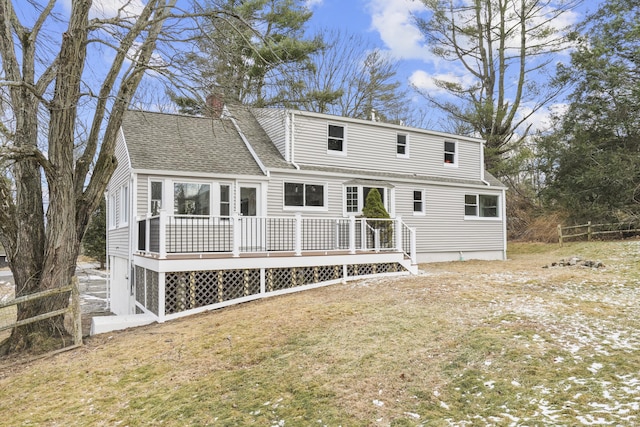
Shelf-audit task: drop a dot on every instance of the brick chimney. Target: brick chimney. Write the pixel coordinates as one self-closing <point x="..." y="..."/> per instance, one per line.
<point x="215" y="105"/>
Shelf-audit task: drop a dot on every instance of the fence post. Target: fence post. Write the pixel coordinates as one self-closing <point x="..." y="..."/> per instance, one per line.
<point x="560" y="234"/>
<point x="589" y="231"/>
<point x="76" y="312"/>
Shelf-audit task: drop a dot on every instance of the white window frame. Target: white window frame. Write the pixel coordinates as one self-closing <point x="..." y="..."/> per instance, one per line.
<point x="112" y="208"/>
<point x="228" y="202"/>
<point x="387" y="198"/>
<point x="124" y="205"/>
<point x="304" y="207"/>
<point x="406" y="145"/>
<point x="162" y="195"/>
<point x="478" y="207"/>
<point x="342" y="152"/>
<point x="188" y="181"/>
<point x="422" y="200"/>
<point x="456" y="154"/>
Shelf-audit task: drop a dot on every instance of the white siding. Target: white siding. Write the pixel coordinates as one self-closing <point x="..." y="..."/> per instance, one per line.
<point x="142" y="207"/>
<point x="273" y="121"/>
<point x="370" y="145"/>
<point x="119" y="236"/>
<point x="443" y="227"/>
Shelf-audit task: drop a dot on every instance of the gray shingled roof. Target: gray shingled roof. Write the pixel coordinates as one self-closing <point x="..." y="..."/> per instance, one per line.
<point x="169" y="142"/>
<point x="258" y="138"/>
<point x="395" y="175"/>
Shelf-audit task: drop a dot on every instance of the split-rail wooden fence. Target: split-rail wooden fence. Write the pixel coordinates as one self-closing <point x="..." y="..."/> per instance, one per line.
<point x="590" y="230"/>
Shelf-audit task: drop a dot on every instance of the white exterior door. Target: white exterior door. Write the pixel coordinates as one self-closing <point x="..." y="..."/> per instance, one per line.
<point x="120" y="292"/>
<point x="251" y="221"/>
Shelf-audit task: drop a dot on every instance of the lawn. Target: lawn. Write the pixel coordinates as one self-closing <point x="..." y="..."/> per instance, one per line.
<point x="471" y="343"/>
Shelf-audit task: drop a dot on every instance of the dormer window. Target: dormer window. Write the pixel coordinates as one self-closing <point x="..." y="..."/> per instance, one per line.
<point x="336" y="139"/>
<point x="450" y="153"/>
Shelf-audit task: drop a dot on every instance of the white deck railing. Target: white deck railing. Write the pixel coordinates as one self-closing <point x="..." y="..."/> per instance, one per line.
<point x="235" y="235"/>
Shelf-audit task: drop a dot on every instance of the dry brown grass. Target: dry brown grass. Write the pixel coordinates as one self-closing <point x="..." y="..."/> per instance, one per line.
<point x="464" y="343"/>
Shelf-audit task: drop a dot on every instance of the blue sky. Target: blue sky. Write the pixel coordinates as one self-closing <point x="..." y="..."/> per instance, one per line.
<point x="388" y="24"/>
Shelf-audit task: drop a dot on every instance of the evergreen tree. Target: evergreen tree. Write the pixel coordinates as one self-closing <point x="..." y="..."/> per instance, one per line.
<point x="592" y="160"/>
<point x="250" y="54"/>
<point x="374" y="208"/>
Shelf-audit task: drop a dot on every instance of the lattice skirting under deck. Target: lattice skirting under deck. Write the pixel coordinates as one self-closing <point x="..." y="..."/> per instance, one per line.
<point x="194" y="289"/>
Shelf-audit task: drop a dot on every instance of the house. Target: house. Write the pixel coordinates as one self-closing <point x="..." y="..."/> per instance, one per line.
<point x="206" y="212"/>
<point x="3" y="257"/>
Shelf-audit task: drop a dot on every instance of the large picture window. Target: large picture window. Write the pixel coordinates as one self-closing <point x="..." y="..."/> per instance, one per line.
<point x="303" y="195"/>
<point x="482" y="206"/>
<point x="191" y="198"/>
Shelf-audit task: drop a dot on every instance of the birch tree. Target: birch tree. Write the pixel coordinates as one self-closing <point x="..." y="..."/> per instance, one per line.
<point x="68" y="76"/>
<point x="504" y="49"/>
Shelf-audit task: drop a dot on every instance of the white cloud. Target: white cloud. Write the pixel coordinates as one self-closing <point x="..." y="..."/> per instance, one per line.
<point x="110" y="8"/>
<point x="312" y="3"/>
<point x="425" y="81"/>
<point x="541" y="119"/>
<point x="393" y="20"/>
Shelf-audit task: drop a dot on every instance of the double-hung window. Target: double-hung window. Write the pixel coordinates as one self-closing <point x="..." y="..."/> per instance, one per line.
<point x="124" y="205"/>
<point x="418" y="202"/>
<point x="336" y="139"/>
<point x="304" y="195"/>
<point x="402" y="145"/>
<point x="481" y="206"/>
<point x="156" y="198"/>
<point x="225" y="200"/>
<point x="112" y="205"/>
<point x="450" y="153"/>
<point x="191" y="198"/>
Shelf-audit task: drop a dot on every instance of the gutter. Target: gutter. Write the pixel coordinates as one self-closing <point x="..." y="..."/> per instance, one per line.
<point x="226" y="114"/>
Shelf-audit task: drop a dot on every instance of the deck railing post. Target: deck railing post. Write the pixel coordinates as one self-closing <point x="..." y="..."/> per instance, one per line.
<point x="414" y="253"/>
<point x="399" y="234"/>
<point x="147" y="236"/>
<point x="352" y="234"/>
<point x="237" y="235"/>
<point x="163" y="235"/>
<point x="376" y="239"/>
<point x="298" y="238"/>
<point x="363" y="234"/>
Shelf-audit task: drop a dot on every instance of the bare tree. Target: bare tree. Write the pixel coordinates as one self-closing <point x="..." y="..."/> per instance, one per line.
<point x="51" y="182"/>
<point x="504" y="48"/>
<point x="352" y="78"/>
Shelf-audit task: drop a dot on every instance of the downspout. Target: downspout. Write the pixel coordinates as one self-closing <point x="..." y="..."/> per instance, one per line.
<point x="482" y="165"/>
<point x="292" y="140"/>
<point x="107" y="263"/>
<point x="133" y="223"/>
